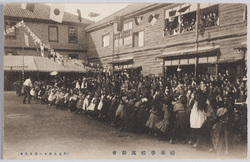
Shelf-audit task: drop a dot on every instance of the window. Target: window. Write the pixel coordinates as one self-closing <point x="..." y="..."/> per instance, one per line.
<point x="73" y="35"/>
<point x="182" y="18"/>
<point x="209" y="16"/>
<point x="118" y="39"/>
<point x="53" y="34"/>
<point x="127" y="26"/>
<point x="171" y="26"/>
<point x="73" y="56"/>
<point x="13" y="33"/>
<point x="127" y="33"/>
<point x="105" y="40"/>
<point x="188" y="22"/>
<point x="138" y="40"/>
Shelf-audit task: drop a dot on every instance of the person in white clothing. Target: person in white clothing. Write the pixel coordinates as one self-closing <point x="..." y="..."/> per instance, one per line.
<point x="27" y="85"/>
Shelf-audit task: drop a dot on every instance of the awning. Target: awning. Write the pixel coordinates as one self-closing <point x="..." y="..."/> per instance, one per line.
<point x="242" y="46"/>
<point x="127" y="69"/>
<point x="228" y="60"/>
<point x="205" y="51"/>
<point x="37" y="63"/>
<point x="122" y="61"/>
<point x="16" y="63"/>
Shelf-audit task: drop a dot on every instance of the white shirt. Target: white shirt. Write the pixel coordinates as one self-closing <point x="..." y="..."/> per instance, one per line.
<point x="28" y="83"/>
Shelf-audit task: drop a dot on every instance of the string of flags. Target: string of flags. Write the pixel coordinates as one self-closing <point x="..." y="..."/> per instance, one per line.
<point x="60" y="58"/>
<point x="93" y="14"/>
<point x="138" y="19"/>
<point x="153" y="18"/>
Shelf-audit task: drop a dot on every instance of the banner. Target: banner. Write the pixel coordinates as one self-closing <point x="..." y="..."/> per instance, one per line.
<point x="26" y="40"/>
<point x="153" y="18"/>
<point x="28" y="6"/>
<point x="42" y="49"/>
<point x="138" y="19"/>
<point x="61" y="59"/>
<point x="92" y="14"/>
<point x="57" y="12"/>
<point x="118" y="23"/>
<point x="79" y="15"/>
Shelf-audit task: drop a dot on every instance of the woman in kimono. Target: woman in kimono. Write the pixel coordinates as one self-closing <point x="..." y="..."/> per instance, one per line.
<point x="73" y="100"/>
<point x="59" y="97"/>
<point x="130" y="112"/>
<point x="155" y="114"/>
<point x="106" y="104"/>
<point x="164" y="125"/>
<point x="113" y="107"/>
<point x="208" y="124"/>
<point x="120" y="112"/>
<point x="144" y="107"/>
<point x="181" y="125"/>
<point x="92" y="108"/>
<point x="52" y="96"/>
<point x="80" y="103"/>
<point x="86" y="103"/>
<point x="219" y="132"/>
<point x="100" y="105"/>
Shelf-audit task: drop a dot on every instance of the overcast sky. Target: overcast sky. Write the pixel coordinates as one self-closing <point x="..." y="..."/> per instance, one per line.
<point x="104" y="9"/>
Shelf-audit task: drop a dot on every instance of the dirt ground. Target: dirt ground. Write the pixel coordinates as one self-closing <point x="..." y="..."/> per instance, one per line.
<point x="39" y="131"/>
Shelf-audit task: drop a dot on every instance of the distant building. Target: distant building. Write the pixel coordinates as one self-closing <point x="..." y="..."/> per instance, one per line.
<point x="68" y="38"/>
<point x="159" y="37"/>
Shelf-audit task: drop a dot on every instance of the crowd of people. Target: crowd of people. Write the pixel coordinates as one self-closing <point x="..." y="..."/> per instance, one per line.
<point x="194" y="111"/>
<point x="188" y="23"/>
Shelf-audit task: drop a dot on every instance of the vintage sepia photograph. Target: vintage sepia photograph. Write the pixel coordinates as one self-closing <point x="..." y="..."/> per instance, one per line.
<point x="125" y="81"/>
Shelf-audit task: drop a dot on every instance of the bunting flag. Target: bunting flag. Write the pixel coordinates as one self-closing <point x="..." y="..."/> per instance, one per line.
<point x="60" y="58"/>
<point x="79" y="15"/>
<point x="28" y="6"/>
<point x="26" y="40"/>
<point x="138" y="19"/>
<point x="42" y="49"/>
<point x="92" y="14"/>
<point x="174" y="23"/>
<point x="172" y="13"/>
<point x="118" y="23"/>
<point x="184" y="9"/>
<point x="57" y="12"/>
<point x="153" y="18"/>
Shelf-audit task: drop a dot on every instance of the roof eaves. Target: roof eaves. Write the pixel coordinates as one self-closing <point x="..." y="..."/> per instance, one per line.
<point x="128" y="15"/>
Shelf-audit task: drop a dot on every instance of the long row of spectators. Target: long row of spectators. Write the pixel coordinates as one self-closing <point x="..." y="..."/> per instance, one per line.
<point x="187" y="110"/>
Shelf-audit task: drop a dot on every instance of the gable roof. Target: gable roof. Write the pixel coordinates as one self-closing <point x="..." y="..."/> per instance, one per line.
<point x="41" y="12"/>
<point x="125" y="11"/>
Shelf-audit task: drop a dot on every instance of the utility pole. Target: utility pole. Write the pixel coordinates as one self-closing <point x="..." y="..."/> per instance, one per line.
<point x="23" y="52"/>
<point x="197" y="38"/>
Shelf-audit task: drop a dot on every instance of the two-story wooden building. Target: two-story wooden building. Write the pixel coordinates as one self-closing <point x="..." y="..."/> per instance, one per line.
<point x="68" y="38"/>
<point x="156" y="37"/>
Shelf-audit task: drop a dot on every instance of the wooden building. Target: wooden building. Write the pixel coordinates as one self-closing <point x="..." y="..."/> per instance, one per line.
<point x="68" y="38"/>
<point x="156" y="37"/>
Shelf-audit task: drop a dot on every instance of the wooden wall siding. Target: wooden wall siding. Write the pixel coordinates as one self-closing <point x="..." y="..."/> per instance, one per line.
<point x="231" y="31"/>
<point x="41" y="30"/>
<point x="95" y="48"/>
<point x="34" y="52"/>
<point x="231" y="13"/>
